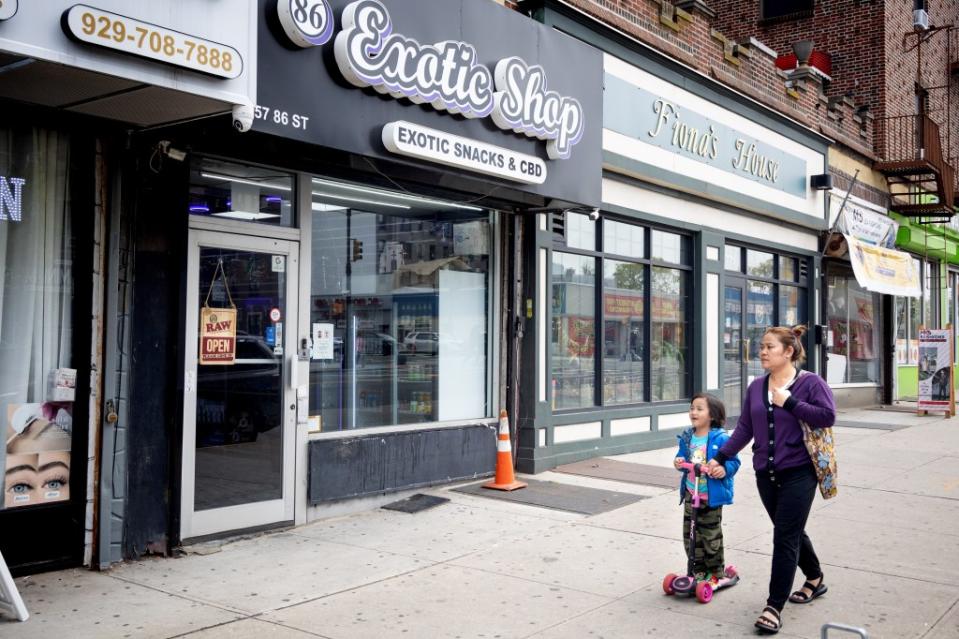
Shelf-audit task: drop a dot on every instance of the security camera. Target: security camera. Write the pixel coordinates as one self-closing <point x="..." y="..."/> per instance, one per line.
<point x="593" y="215"/>
<point x="243" y="117"/>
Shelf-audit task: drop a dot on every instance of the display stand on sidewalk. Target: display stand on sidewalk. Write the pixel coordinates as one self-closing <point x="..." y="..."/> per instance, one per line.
<point x="10" y="602"/>
<point x="935" y="372"/>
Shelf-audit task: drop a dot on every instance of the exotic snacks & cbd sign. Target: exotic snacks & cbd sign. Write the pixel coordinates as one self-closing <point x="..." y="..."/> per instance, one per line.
<point x="507" y="80"/>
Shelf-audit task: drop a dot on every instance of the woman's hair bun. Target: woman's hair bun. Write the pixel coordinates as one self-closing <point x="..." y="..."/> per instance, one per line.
<point x="799" y="330"/>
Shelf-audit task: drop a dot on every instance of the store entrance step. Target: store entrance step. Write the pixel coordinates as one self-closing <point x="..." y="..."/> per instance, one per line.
<point x="415" y="503"/>
<point x="605" y="468"/>
<point x="549" y="494"/>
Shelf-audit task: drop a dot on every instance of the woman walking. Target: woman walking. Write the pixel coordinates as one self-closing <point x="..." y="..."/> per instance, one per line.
<point x="773" y="407"/>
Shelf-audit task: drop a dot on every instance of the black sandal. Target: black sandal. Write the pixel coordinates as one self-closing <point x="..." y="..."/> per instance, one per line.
<point x="801" y="597"/>
<point x="769" y="624"/>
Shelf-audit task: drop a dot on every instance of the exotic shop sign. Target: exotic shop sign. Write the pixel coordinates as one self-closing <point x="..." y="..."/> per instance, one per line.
<point x="217" y="335"/>
<point x="511" y="93"/>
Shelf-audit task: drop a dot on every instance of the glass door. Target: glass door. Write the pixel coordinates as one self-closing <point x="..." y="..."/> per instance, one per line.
<point x="735" y="349"/>
<point x="239" y="400"/>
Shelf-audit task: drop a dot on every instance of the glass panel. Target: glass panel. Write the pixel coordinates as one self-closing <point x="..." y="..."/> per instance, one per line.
<point x="734" y="258"/>
<point x="930" y="290"/>
<point x="733" y="350"/>
<point x="759" y="264"/>
<point x="669" y="247"/>
<point x="37" y="378"/>
<point x="401" y="288"/>
<point x="239" y="407"/>
<point x="232" y="191"/>
<point x="787" y="269"/>
<point x="759" y="316"/>
<point x="790" y="313"/>
<point x="852" y="314"/>
<point x="624" y="332"/>
<point x="624" y="239"/>
<point x="580" y="232"/>
<point x="902" y="330"/>
<point x="670" y="343"/>
<point x="573" y="348"/>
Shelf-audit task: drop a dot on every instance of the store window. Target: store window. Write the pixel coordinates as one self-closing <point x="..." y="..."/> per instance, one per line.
<point x="37" y="370"/>
<point x="231" y="191"/>
<point x="642" y="323"/>
<point x="852" y="313"/>
<point x="911" y="313"/>
<point x="573" y="343"/>
<point x="399" y="308"/>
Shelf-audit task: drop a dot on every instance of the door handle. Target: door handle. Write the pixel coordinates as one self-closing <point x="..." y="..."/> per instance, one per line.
<point x="746" y="350"/>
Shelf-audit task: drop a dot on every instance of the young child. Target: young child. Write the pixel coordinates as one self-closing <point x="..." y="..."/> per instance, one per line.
<point x="698" y="444"/>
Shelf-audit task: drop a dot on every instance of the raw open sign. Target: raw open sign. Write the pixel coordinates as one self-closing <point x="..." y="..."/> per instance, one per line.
<point x="217" y="335"/>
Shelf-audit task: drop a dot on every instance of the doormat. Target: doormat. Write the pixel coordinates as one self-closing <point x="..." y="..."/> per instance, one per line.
<point x="549" y="494"/>
<point x="603" y="468"/>
<point x="416" y="503"/>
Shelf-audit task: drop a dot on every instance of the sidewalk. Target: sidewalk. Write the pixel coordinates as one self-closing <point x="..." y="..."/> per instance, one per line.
<point x="479" y="567"/>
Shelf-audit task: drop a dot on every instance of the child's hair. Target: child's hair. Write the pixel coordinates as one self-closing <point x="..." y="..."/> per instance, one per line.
<point x="790" y="336"/>
<point x="717" y="410"/>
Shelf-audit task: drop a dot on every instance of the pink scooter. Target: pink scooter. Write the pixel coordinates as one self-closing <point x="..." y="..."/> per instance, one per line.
<point x="686" y="585"/>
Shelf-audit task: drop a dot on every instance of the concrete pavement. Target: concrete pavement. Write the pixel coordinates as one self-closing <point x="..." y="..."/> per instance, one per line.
<point x="478" y="567"/>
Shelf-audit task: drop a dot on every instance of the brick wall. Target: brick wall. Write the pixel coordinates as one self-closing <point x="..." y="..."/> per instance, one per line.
<point x="726" y="54"/>
<point x="874" y="63"/>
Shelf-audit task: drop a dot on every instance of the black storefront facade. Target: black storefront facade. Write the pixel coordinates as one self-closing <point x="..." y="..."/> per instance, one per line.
<point x="73" y="103"/>
<point x="369" y="241"/>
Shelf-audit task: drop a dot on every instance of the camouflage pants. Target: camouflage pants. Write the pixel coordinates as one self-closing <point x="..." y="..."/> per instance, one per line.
<point x="709" y="538"/>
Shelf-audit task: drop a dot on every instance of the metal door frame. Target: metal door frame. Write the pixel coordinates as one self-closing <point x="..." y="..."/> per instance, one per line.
<point x="221" y="520"/>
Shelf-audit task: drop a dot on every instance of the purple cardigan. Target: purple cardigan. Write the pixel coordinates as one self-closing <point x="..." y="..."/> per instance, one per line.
<point x="811" y="401"/>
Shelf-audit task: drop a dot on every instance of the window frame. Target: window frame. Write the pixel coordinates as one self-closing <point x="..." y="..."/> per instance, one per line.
<point x="804" y="12"/>
<point x="598" y="253"/>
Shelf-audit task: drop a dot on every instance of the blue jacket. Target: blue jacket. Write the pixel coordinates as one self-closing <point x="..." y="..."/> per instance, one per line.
<point x="720" y="490"/>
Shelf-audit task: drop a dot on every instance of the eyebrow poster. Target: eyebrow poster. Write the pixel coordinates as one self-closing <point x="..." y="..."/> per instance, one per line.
<point x="37" y="453"/>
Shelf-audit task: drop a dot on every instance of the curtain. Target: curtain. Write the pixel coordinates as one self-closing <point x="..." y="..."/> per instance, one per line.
<point x="36" y="279"/>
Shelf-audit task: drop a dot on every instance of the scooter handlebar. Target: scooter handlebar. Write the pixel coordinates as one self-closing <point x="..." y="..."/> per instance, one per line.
<point x="697" y="469"/>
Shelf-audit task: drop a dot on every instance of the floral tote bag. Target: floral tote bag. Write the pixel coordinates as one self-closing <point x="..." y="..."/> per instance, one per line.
<point x="822" y="451"/>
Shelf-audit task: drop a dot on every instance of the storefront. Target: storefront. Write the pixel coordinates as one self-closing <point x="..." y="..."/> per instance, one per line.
<point x="71" y="90"/>
<point x="708" y="233"/>
<point x="353" y="276"/>
<point x="934" y="253"/>
<point x="863" y="275"/>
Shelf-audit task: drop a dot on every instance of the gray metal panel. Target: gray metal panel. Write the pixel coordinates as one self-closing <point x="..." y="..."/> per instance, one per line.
<point x="116" y="386"/>
<point x="383" y="463"/>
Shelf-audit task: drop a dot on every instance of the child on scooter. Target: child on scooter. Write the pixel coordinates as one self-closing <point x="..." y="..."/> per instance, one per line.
<point x="698" y="444"/>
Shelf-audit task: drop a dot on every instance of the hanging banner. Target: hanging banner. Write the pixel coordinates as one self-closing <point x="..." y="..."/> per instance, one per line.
<point x="935" y="369"/>
<point x="864" y="224"/>
<point x="883" y="270"/>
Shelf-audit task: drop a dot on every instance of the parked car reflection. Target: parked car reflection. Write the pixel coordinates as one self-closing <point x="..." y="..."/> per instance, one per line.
<point x="236" y="402"/>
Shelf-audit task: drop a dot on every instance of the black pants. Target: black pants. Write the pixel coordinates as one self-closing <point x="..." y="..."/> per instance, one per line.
<point x="788" y="501"/>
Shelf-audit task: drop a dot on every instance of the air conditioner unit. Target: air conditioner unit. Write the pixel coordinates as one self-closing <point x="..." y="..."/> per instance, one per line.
<point x="920" y="20"/>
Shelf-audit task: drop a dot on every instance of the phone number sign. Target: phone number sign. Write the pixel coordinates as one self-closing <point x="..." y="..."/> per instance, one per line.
<point x="120" y="33"/>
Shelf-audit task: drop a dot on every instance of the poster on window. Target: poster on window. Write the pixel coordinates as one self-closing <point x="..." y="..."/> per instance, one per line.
<point x="37" y="453"/>
<point x="217" y="336"/>
<point x="935" y="369"/>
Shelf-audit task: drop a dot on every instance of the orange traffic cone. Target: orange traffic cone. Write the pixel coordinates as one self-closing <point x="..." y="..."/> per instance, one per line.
<point x="504" y="480"/>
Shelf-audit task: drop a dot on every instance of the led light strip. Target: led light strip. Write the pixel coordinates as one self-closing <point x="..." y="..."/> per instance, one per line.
<point x="398" y="196"/>
<point x="353" y="199"/>
<point x="227" y="178"/>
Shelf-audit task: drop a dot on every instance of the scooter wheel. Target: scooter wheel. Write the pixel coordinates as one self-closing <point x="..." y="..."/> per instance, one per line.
<point x="731" y="571"/>
<point x="668" y="584"/>
<point x="704" y="592"/>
